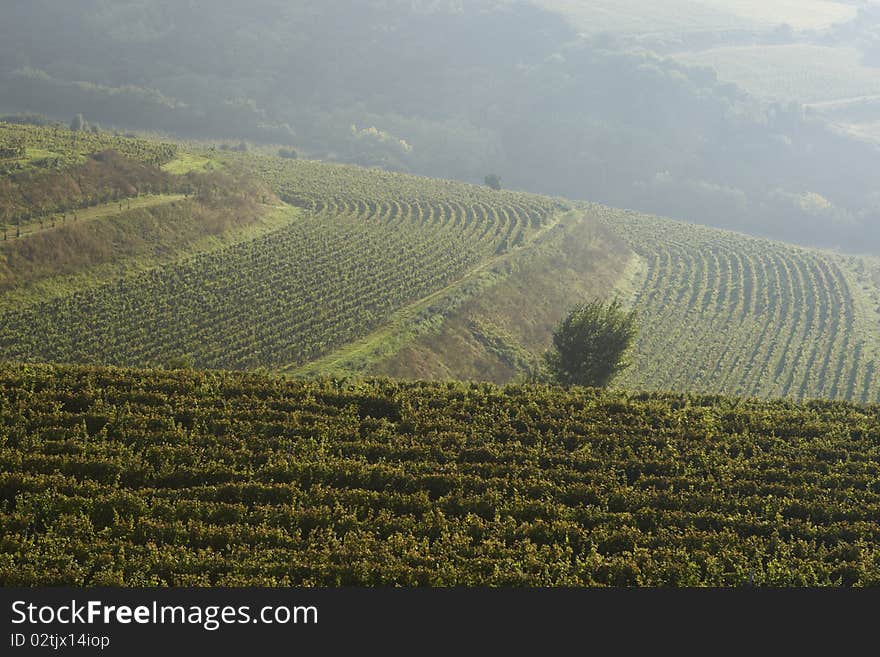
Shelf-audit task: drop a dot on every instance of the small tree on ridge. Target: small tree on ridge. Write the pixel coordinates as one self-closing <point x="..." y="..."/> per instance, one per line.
<point x="590" y="344"/>
<point x="493" y="181"/>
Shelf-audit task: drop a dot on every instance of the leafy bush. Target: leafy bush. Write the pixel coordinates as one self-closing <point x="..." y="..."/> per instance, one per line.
<point x="590" y="344"/>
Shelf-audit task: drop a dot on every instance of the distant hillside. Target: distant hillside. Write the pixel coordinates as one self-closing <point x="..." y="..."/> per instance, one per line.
<point x="521" y="94"/>
<point x="158" y="478"/>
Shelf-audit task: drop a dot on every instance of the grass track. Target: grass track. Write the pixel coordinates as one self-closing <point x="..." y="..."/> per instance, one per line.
<point x="98" y="212"/>
<point x="421" y="316"/>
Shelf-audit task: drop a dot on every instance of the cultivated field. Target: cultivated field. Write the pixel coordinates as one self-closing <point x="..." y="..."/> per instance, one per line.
<point x="119" y="477"/>
<point x="369" y="243"/>
<point x="312" y="269"/>
<point x="728" y="313"/>
<point x="801" y="72"/>
<point x="681" y="16"/>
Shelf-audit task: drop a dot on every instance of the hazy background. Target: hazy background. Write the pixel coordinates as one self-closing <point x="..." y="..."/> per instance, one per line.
<point x="759" y="116"/>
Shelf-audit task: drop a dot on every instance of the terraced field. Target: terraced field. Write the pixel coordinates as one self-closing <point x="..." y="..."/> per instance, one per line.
<point x="369" y="243"/>
<point x="727" y="313"/>
<point x="363" y="270"/>
<point x="60" y="148"/>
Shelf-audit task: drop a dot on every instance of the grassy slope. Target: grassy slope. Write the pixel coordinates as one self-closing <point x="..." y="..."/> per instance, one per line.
<point x="101" y="211"/>
<point x="82" y="256"/>
<point x="45" y="145"/>
<point x="720" y="312"/>
<point x="186" y="162"/>
<point x="119" y="238"/>
<point x="498" y="334"/>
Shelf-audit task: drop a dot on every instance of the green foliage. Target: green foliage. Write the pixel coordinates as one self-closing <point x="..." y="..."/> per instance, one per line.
<point x="12" y="148"/>
<point x="493" y="181"/>
<point x="369" y="243"/>
<point x="590" y="344"/>
<point x="71" y="148"/>
<point x="79" y="124"/>
<point x="178" y="362"/>
<point x="176" y="478"/>
<point x="103" y="178"/>
<point x="743" y="316"/>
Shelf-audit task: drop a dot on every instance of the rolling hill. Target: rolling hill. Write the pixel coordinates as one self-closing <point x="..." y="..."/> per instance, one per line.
<point x="225" y="363"/>
<point x="611" y="116"/>
<point x="720" y="312"/>
<point x="317" y="471"/>
<point x="246" y="260"/>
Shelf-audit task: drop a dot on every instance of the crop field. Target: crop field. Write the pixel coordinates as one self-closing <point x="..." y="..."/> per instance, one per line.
<point x="323" y="186"/>
<point x="678" y="16"/>
<point x="60" y="148"/>
<point x="176" y="478"/>
<point x="731" y="314"/>
<point x="370" y="243"/>
<point x="359" y="270"/>
<point x="802" y="72"/>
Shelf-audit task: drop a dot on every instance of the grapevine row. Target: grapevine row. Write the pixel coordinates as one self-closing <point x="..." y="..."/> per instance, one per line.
<point x="727" y="313"/>
<point x="173" y="478"/>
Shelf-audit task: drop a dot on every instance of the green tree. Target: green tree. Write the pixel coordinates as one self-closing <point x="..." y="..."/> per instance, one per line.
<point x="590" y="344"/>
<point x="493" y="181"/>
<point x="79" y="123"/>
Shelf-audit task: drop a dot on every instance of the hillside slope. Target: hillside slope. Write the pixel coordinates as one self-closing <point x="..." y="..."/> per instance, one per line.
<point x="499" y="333"/>
<point x="719" y="312"/>
<point x="359" y="245"/>
<point x="375" y="82"/>
<point x="728" y="313"/>
<point x="124" y="477"/>
<point x="308" y="268"/>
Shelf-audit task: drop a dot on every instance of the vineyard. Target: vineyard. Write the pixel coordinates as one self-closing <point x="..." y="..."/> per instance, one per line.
<point x="213" y="476"/>
<point x="370" y="242"/>
<point x="368" y="271"/>
<point x="327" y="187"/>
<point x="123" y="477"/>
<point x="738" y="315"/>
<point x="23" y="147"/>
